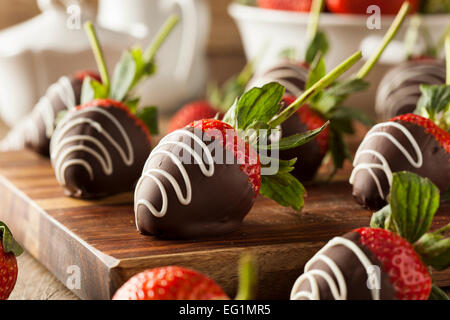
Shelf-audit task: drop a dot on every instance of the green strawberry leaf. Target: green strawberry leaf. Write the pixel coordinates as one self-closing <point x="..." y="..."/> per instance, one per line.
<point x="352" y="114"/>
<point x="318" y="72"/>
<point x="285" y="189"/>
<point x="258" y="104"/>
<point x="414" y="201"/>
<point x="149" y="115"/>
<point x="297" y="140"/>
<point x="8" y="242"/>
<point x="60" y="116"/>
<point x="290" y="54"/>
<point x="92" y="89"/>
<point x="337" y="93"/>
<point x="434" y="248"/>
<point x="382" y="219"/>
<point x="133" y="104"/>
<point x="435" y="104"/>
<point x="436" y="6"/>
<point x="223" y="98"/>
<point x="437" y="294"/>
<point x="124" y="76"/>
<point x="338" y="149"/>
<point x="318" y="45"/>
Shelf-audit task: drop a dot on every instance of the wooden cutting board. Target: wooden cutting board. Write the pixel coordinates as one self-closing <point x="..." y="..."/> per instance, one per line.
<point x="99" y="238"/>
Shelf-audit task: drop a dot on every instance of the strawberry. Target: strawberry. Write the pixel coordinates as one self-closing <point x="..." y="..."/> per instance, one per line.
<point x="408" y="142"/>
<point x="290" y="5"/>
<point x="389" y="7"/>
<point x="35" y="131"/>
<point x="178" y="283"/>
<point x="202" y="180"/>
<point x="193" y="111"/>
<point x="310" y="155"/>
<point x="99" y="148"/>
<point x="389" y="260"/>
<point x="246" y="156"/>
<point x="9" y="250"/>
<point x="348" y="261"/>
<point x="218" y="102"/>
<point x="170" y="283"/>
<point x="407" y="273"/>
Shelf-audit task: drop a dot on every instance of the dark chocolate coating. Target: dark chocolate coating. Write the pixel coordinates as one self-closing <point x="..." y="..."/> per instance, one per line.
<point x="290" y="75"/>
<point x="436" y="163"/>
<point x="353" y="271"/>
<point x="31" y="132"/>
<point x="399" y="91"/>
<point x="309" y="156"/>
<point x="123" y="178"/>
<point x="219" y="203"/>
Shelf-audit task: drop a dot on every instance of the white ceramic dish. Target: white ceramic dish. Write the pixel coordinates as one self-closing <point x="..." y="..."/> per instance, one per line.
<point x="271" y="31"/>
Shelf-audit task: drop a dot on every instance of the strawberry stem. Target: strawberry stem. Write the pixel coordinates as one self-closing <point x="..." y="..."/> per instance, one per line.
<point x="412" y="34"/>
<point x="314" y="17"/>
<point x="98" y="53"/>
<point x="247" y="278"/>
<point x="442" y="39"/>
<point x="392" y="32"/>
<point x="447" y="58"/>
<point x="161" y="36"/>
<point x="315" y="89"/>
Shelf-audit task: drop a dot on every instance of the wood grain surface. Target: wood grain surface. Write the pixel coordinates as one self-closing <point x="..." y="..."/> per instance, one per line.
<point x="100" y="238"/>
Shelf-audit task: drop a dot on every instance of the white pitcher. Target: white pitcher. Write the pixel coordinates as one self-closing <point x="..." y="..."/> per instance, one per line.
<point x="34" y="54"/>
<point x="182" y="64"/>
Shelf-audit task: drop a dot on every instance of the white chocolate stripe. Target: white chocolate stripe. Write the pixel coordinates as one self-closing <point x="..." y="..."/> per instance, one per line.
<point x="59" y="154"/>
<point x="339" y="290"/>
<point x="151" y="172"/>
<point x="384" y="166"/>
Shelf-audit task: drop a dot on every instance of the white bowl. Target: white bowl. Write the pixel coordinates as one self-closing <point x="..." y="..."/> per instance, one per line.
<point x="265" y="33"/>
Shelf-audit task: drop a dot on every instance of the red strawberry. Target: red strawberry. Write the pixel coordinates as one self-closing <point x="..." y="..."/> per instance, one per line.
<point x="346" y="269"/>
<point x="197" y="110"/>
<point x="170" y="283"/>
<point x="96" y="145"/>
<point x="407" y="272"/>
<point x="8" y="273"/>
<point x="221" y="192"/>
<point x="81" y="75"/>
<point x="390" y="7"/>
<point x="245" y="154"/>
<point x="9" y="250"/>
<point x="405" y="143"/>
<point x="290" y="5"/>
<point x="309" y="156"/>
<point x="442" y="136"/>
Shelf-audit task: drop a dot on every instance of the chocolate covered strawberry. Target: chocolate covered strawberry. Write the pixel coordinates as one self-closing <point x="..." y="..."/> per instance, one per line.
<point x="388" y="261"/>
<point x="218" y="102"/>
<point x="9" y="250"/>
<point x="99" y="148"/>
<point x="290" y="5"/>
<point x="399" y="90"/>
<point x="37" y="128"/>
<point x="388" y="7"/>
<point x="351" y="264"/>
<point x="178" y="283"/>
<point x="417" y="143"/>
<point x="202" y="180"/>
<point x="408" y="142"/>
<point x="327" y="106"/>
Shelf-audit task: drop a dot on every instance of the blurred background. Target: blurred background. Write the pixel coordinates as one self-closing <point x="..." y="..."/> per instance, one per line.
<point x="42" y="40"/>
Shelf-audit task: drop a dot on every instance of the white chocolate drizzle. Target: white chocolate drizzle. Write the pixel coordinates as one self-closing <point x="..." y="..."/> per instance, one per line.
<point x="339" y="289"/>
<point x="151" y="172"/>
<point x="384" y="164"/>
<point x="59" y="152"/>
<point x="28" y="130"/>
